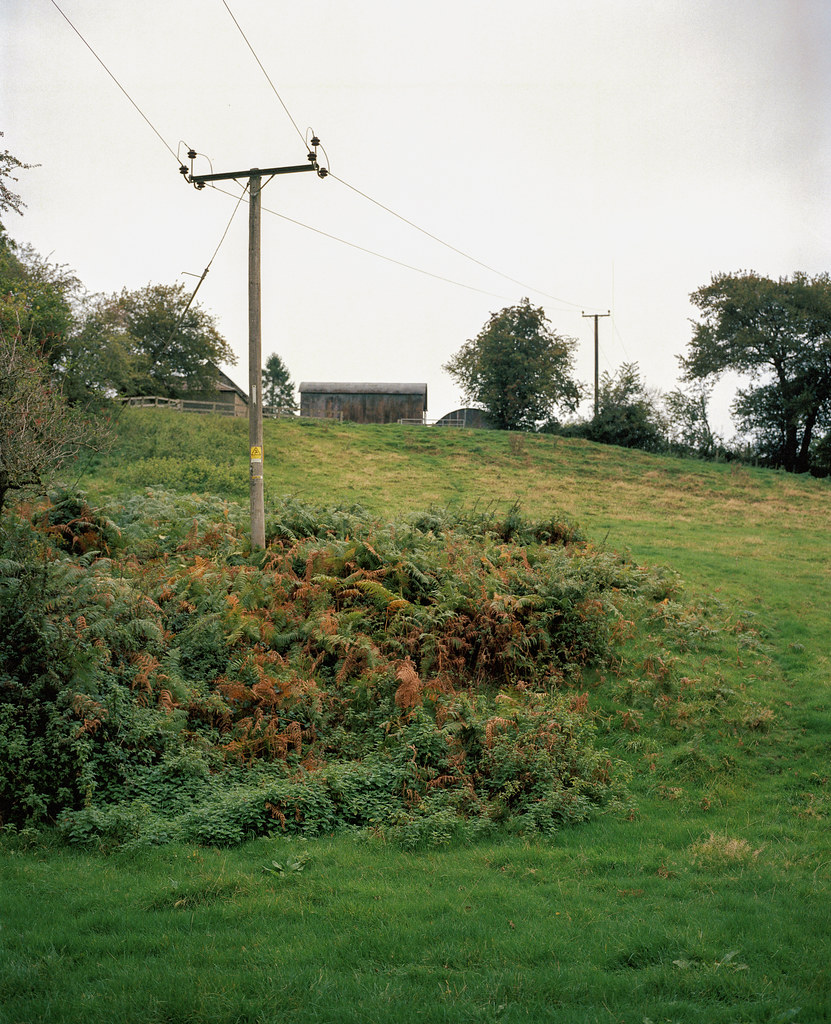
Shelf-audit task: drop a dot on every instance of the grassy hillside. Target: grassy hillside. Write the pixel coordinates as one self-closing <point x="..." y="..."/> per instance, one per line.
<point x="756" y="537"/>
<point x="703" y="898"/>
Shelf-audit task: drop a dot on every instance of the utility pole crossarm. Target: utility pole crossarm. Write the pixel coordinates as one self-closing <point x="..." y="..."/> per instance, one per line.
<point x="266" y="172"/>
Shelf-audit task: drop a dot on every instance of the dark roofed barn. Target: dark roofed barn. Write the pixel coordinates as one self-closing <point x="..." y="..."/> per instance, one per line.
<point x="363" y="403"/>
<point x="227" y="398"/>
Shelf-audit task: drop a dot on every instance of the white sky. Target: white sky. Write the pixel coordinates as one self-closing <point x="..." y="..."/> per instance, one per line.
<point x="612" y="153"/>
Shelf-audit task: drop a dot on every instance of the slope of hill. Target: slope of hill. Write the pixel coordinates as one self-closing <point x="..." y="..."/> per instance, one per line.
<point x="756" y="536"/>
<point x="698" y="892"/>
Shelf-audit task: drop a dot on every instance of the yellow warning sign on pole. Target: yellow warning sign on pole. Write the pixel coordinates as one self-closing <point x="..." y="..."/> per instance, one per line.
<point x="256" y="454"/>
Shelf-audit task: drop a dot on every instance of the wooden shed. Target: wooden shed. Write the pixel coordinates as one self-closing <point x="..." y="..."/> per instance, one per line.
<point x="227" y="397"/>
<point x="363" y="403"/>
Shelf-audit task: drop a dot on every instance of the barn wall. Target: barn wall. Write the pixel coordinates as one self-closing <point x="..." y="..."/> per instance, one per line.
<point x="225" y="402"/>
<point x="362" y="408"/>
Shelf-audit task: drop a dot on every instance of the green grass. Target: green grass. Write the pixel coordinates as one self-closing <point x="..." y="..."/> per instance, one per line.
<point x="708" y="903"/>
<point x="614" y="921"/>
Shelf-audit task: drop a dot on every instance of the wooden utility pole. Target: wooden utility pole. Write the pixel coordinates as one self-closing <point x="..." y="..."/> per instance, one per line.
<point x="255" y="361"/>
<point x="255" y="375"/>
<point x="596" y="359"/>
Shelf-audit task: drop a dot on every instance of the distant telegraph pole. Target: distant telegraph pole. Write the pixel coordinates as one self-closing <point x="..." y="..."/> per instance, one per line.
<point x="255" y="379"/>
<point x="596" y="348"/>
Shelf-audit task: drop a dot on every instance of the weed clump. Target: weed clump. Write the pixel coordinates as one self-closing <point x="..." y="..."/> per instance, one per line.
<point x="722" y="851"/>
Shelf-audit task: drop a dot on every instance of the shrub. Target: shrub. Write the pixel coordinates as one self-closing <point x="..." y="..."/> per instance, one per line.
<point x="192" y="475"/>
<point x="415" y="678"/>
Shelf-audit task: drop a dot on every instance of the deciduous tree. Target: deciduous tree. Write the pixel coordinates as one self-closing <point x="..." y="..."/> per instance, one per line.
<point x="777" y="333"/>
<point x="688" y="423"/>
<point x="47" y="297"/>
<point x="518" y="368"/>
<point x="150" y="342"/>
<point x="627" y="413"/>
<point x="39" y="432"/>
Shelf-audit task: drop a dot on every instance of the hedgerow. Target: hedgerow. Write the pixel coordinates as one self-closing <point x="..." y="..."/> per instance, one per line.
<point x="421" y="677"/>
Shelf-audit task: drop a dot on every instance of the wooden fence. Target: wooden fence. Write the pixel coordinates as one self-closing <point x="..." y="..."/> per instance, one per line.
<point x="191" y="405"/>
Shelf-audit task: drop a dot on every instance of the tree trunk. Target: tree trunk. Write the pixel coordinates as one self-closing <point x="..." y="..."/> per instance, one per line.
<point x="789" y="450"/>
<point x="803" y="458"/>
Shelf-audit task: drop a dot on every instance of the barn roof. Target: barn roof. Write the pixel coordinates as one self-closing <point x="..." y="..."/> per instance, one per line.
<point x="359" y="388"/>
<point x="224" y="383"/>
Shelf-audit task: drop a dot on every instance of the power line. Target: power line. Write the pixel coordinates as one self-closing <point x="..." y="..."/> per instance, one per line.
<point x="346" y="184"/>
<point x="268" y="79"/>
<point x="84" y="469"/>
<point x="112" y="76"/>
<point x="405" y="220"/>
<point x="370" y="252"/>
<point x="173" y="154"/>
<point x="183" y="314"/>
<point x="453" y="248"/>
<point x="619" y="338"/>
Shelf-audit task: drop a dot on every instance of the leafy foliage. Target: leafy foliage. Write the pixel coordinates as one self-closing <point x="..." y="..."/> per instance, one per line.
<point x="687" y="423"/>
<point x="38" y="431"/>
<point x="8" y="164"/>
<point x="151" y="341"/>
<point x="41" y="300"/>
<point x="778" y="334"/>
<point x="159" y="681"/>
<point x="627" y="413"/>
<point x="517" y="368"/>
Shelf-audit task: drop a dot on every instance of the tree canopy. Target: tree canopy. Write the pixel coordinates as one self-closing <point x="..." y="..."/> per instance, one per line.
<point x="517" y="368"/>
<point x="46" y="297"/>
<point x="150" y="341"/>
<point x="39" y="432"/>
<point x="627" y="413"/>
<point x="777" y="333"/>
<point x="687" y="422"/>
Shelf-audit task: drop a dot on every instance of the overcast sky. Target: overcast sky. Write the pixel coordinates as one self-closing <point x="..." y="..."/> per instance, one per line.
<point x="607" y="154"/>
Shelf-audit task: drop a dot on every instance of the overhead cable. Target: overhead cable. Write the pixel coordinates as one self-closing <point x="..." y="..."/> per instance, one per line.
<point x="120" y="86"/>
<point x="453" y="248"/>
<point x="257" y="59"/>
<point x="381" y="206"/>
<point x="370" y="252"/>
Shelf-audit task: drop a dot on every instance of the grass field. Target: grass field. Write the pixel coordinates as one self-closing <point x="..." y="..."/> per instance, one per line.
<point x="707" y="902"/>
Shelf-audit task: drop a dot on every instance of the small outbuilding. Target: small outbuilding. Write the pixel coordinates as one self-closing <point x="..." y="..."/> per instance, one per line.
<point x="227" y="398"/>
<point x="364" y="403"/>
<point x="468" y="417"/>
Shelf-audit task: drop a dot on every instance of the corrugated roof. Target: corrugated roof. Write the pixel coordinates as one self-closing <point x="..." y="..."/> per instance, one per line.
<point x="357" y="388"/>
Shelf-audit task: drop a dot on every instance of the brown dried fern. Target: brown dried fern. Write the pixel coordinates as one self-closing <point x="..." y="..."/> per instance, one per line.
<point x="491" y="727"/>
<point x="410" y="689"/>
